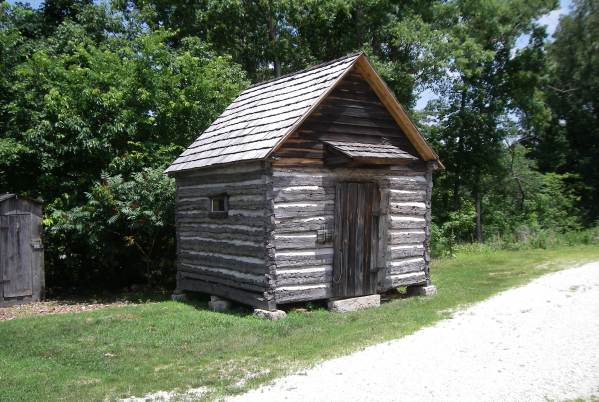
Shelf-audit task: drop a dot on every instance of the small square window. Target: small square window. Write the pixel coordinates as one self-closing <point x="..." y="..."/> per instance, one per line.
<point x="219" y="205"/>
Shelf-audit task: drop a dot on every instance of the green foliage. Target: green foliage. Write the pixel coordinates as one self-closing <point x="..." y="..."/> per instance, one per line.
<point x="96" y="99"/>
<point x="96" y="106"/>
<point x="126" y="228"/>
<point x="458" y="227"/>
<point x="573" y="137"/>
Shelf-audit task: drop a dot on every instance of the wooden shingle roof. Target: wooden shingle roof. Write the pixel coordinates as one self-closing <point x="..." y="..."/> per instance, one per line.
<point x="265" y="114"/>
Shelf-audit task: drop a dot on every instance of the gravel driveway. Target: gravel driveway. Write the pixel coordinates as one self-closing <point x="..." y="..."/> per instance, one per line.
<point x="534" y="343"/>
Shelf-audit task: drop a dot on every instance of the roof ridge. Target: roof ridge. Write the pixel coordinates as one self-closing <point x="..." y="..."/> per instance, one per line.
<point x="347" y="56"/>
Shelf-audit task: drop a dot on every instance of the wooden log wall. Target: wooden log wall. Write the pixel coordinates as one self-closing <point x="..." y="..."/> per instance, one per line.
<point x="304" y="196"/>
<point x="304" y="204"/>
<point x="226" y="256"/>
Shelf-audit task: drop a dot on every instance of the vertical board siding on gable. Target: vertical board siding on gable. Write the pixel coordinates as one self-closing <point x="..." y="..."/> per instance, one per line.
<point x="215" y="253"/>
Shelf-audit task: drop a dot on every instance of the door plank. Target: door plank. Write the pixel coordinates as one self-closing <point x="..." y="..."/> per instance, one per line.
<point x="16" y="272"/>
<point x="359" y="229"/>
<point x="339" y="250"/>
<point x="355" y="239"/>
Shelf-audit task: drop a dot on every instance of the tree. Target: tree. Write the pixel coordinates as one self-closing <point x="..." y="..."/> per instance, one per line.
<point x="80" y="104"/>
<point x="571" y="142"/>
<point x="483" y="92"/>
<point x="272" y="37"/>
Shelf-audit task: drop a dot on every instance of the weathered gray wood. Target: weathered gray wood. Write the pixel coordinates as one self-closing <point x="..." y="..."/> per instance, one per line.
<point x="296" y="241"/>
<point x="394" y="281"/>
<point x="406" y="237"/>
<point x="221" y="246"/>
<point x="407" y="222"/>
<point x="205" y="274"/>
<point x="296" y="225"/>
<point x="406" y="266"/>
<point x="304" y="276"/>
<point x="354" y="236"/>
<point x="17" y="275"/>
<point x="21" y="251"/>
<point x="303" y="293"/>
<point x="268" y="246"/>
<point x="427" y="230"/>
<point x="242" y="264"/>
<point x="314" y="257"/>
<point x="411" y="251"/>
<point x="255" y="299"/>
<point x="408" y="208"/>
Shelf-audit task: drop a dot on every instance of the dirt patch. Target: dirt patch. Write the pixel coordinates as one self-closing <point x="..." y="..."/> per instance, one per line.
<point x="54" y="307"/>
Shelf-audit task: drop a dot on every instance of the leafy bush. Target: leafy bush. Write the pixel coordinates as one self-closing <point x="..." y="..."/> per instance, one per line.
<point x="123" y="234"/>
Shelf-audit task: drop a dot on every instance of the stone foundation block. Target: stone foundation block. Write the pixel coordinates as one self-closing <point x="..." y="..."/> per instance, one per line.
<point x="179" y="296"/>
<point x="270" y="315"/>
<point x="355" y="303"/>
<point x="429" y="290"/>
<point x="218" y="304"/>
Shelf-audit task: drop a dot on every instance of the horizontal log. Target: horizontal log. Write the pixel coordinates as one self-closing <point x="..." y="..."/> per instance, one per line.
<point x="259" y="284"/>
<point x="299" y="293"/>
<point x="407" y="222"/>
<point x="232" y="262"/>
<point x="243" y="188"/>
<point x="406" y="265"/>
<point x="407" y="208"/>
<point x="304" y="276"/>
<point x="297" y="224"/>
<point x="405" y="237"/>
<point x="220" y="178"/>
<point x="303" y="209"/>
<point x="399" y="252"/>
<point x="233" y="212"/>
<point x="256" y="299"/>
<point x="395" y="281"/>
<point x="258" y="238"/>
<point x="240" y="167"/>
<point x="314" y="257"/>
<point x="210" y="226"/>
<point x="236" y="220"/>
<point x="300" y="240"/>
<point x="406" y="195"/>
<point x="303" y="193"/>
<point x="235" y="248"/>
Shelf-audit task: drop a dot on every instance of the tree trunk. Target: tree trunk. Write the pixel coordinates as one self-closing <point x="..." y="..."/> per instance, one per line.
<point x="479" y="226"/>
<point x="274" y="39"/>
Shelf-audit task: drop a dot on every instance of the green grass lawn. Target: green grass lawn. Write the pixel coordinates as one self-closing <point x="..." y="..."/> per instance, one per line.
<point x="133" y="350"/>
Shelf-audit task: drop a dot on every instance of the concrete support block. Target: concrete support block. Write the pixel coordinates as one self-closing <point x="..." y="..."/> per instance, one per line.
<point x="428" y="290"/>
<point x="355" y="303"/>
<point x="218" y="304"/>
<point x="270" y="315"/>
<point x="179" y="296"/>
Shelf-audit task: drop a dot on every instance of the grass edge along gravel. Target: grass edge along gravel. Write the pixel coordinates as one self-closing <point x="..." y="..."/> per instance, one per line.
<point x="136" y="350"/>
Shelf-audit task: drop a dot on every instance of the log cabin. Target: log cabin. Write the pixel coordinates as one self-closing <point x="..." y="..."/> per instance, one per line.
<point x="311" y="186"/>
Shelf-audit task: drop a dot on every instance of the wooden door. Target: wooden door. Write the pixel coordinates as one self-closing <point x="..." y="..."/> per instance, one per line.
<point x="355" y="239"/>
<point x="16" y="255"/>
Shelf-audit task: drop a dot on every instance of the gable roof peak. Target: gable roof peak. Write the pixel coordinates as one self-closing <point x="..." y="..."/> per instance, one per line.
<point x="353" y="55"/>
<point x="263" y="116"/>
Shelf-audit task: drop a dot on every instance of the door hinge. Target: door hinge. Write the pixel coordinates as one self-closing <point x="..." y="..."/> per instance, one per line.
<point x="36" y="245"/>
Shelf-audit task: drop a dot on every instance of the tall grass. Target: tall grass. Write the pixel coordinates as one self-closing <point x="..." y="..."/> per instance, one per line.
<point x="540" y="239"/>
